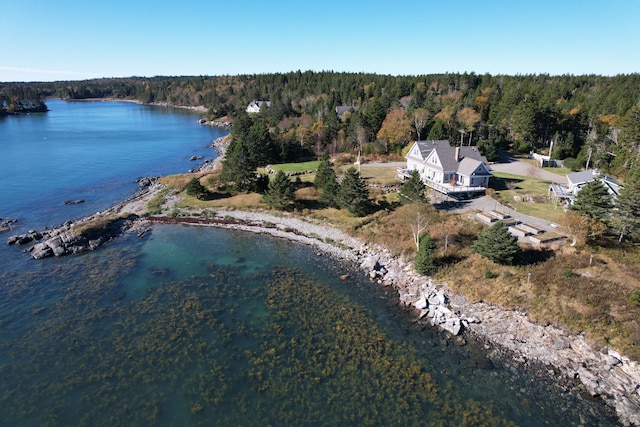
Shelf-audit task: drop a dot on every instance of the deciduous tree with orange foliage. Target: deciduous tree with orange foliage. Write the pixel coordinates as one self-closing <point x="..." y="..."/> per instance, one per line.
<point x="396" y="129"/>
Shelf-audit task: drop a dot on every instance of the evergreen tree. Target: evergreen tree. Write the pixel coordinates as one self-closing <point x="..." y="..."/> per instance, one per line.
<point x="626" y="216"/>
<point x="251" y="146"/>
<point x="325" y="172"/>
<point x="412" y="190"/>
<point x="425" y="261"/>
<point x="628" y="148"/>
<point x="196" y="189"/>
<point x="238" y="167"/>
<point x="352" y="194"/>
<point x="438" y="131"/>
<point x="327" y="181"/>
<point x="497" y="244"/>
<point x="280" y="193"/>
<point x="593" y="200"/>
<point x="329" y="194"/>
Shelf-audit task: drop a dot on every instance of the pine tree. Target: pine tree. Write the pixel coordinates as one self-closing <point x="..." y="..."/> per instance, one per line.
<point x="412" y="190"/>
<point x="593" y="200"/>
<point x="196" y="189"/>
<point x="251" y="146"/>
<point x="325" y="172"/>
<point x="497" y="244"/>
<point x="327" y="181"/>
<point x="352" y="194"/>
<point x="626" y="216"/>
<point x="425" y="261"/>
<point x="329" y="193"/>
<point x="438" y="131"/>
<point x="280" y="193"/>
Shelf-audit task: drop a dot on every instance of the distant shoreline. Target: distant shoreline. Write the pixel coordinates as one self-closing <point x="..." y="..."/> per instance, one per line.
<point x="197" y="109"/>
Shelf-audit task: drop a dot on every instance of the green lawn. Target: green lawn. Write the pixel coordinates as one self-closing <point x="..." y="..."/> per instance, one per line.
<point x="297" y="167"/>
<point x="526" y="195"/>
<point x="372" y="174"/>
<point x="375" y="174"/>
<point x="558" y="171"/>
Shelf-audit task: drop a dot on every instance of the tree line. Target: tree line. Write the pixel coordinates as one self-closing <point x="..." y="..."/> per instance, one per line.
<point x="593" y="120"/>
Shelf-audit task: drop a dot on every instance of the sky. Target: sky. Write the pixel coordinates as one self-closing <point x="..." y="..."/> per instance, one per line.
<point x="47" y="40"/>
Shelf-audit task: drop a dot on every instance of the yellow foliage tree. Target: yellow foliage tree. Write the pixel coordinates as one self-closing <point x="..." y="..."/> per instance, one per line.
<point x="396" y="128"/>
<point x="469" y="119"/>
<point x="581" y="228"/>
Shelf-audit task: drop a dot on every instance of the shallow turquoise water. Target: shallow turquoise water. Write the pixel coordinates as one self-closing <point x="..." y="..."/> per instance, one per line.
<point x="202" y="326"/>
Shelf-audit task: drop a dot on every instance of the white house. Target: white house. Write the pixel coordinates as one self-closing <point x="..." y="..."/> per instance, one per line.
<point x="256" y="106"/>
<point x="577" y="180"/>
<point x="449" y="169"/>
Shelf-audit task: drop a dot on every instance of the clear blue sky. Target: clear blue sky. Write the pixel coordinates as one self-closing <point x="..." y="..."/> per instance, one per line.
<point x="73" y="40"/>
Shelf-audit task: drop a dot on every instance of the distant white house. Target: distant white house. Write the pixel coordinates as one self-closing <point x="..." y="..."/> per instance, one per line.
<point x="256" y="106"/>
<point x="577" y="180"/>
<point x="449" y="169"/>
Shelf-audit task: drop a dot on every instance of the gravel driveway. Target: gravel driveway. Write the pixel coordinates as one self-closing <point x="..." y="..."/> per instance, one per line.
<point x="514" y="166"/>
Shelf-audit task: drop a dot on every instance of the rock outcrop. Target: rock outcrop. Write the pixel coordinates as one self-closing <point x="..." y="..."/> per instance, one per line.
<point x="6" y="224"/>
<point x="509" y="334"/>
<point x="65" y="240"/>
<point x="419" y="293"/>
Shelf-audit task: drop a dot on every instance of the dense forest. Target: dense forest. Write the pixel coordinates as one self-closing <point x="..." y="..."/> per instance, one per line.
<point x="591" y="119"/>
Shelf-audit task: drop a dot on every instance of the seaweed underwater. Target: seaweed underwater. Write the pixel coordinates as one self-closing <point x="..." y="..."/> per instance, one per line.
<point x="275" y="347"/>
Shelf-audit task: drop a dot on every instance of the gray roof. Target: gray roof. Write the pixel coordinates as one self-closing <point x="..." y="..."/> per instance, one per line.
<point x="341" y="109"/>
<point x="590" y="174"/>
<point x="448" y="159"/>
<point x="580" y="177"/>
<point x="468" y="166"/>
<point x="427" y="146"/>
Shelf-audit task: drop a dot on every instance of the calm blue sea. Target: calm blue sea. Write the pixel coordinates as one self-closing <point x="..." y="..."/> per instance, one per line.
<point x="203" y="326"/>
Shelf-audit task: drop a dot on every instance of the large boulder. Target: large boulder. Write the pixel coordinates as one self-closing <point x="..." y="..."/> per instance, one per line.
<point x="40" y="250"/>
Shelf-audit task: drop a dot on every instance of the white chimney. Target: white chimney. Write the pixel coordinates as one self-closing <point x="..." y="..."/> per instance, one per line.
<point x="457" y="154"/>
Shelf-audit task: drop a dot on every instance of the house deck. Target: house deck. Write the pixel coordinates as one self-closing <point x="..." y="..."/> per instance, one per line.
<point x="447" y="189"/>
<point x="452" y="190"/>
<point x="560" y="191"/>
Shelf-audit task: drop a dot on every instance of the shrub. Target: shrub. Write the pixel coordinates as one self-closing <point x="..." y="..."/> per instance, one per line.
<point x="635" y="298"/>
<point x="488" y="274"/>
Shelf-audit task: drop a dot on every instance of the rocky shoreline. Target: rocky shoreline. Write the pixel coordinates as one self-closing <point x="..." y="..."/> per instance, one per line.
<point x="508" y="335"/>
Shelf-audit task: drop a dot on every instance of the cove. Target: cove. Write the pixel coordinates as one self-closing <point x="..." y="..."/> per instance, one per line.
<point x="192" y="326"/>
<point x="201" y="326"/>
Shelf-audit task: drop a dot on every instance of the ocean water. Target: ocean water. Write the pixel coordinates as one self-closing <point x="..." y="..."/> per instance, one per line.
<point x="204" y="326"/>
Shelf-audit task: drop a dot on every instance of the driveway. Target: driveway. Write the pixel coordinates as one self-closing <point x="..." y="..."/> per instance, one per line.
<point x="514" y="166"/>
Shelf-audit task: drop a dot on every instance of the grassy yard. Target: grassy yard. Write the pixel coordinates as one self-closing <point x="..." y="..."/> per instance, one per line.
<point x="296" y="167"/>
<point x="557" y="171"/>
<point x="529" y="196"/>
<point x="376" y="174"/>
